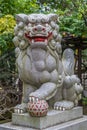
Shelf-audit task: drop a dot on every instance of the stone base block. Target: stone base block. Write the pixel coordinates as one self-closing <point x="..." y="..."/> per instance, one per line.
<point x="53" y="117"/>
<point x="77" y="124"/>
<point x="55" y="120"/>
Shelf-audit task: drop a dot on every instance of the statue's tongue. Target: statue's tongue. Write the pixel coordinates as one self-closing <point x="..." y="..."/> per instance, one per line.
<point x="39" y="39"/>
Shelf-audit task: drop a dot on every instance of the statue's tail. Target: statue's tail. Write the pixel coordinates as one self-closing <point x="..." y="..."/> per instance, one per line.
<point x="68" y="62"/>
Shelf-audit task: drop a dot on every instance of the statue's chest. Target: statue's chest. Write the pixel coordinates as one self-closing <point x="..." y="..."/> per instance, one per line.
<point x="42" y="60"/>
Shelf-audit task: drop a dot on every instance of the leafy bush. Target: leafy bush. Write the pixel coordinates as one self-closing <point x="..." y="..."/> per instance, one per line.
<point x="7" y="59"/>
<point x="6" y="44"/>
<point x="7" y="24"/>
<point x="73" y="24"/>
<point x="72" y="14"/>
<point x="18" y="6"/>
<point x="7" y="7"/>
<point x="84" y="101"/>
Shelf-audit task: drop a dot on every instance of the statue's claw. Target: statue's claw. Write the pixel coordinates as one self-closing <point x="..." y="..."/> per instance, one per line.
<point x="22" y="108"/>
<point x="33" y="99"/>
<point x="63" y="105"/>
<point x="59" y="108"/>
<point x="19" y="111"/>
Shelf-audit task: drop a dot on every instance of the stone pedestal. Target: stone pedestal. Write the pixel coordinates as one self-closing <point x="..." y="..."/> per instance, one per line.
<point x="77" y="124"/>
<point x="53" y="117"/>
<point x="55" y="120"/>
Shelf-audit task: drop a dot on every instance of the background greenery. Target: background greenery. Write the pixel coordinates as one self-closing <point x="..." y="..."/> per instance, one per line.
<point x="72" y="21"/>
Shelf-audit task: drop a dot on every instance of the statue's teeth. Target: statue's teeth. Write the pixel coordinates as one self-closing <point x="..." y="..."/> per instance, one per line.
<point x="32" y="41"/>
<point x="46" y="40"/>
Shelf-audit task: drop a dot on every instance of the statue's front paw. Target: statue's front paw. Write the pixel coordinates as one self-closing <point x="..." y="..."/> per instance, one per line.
<point x="63" y="105"/>
<point x="21" y="108"/>
<point x="35" y="96"/>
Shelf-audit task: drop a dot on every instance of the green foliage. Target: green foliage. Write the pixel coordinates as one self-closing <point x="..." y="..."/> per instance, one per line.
<point x="74" y="25"/>
<point x="84" y="101"/>
<point x="18" y="6"/>
<point x="7" y="56"/>
<point x="84" y="54"/>
<point x="72" y="15"/>
<point x="7" y="64"/>
<point x="7" y="7"/>
<point x="6" y="44"/>
<point x="29" y="6"/>
<point x="7" y="24"/>
<point x="58" y="4"/>
<point x="72" y="20"/>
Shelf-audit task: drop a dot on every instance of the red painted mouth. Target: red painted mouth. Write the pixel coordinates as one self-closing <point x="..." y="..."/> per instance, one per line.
<point x="38" y="38"/>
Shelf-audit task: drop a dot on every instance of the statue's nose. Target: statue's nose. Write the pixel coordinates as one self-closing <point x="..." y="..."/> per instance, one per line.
<point x="39" y="28"/>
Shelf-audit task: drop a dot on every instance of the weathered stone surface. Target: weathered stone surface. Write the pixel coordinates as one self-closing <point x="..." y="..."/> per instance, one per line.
<point x="46" y="73"/>
<point x="77" y="124"/>
<point x="53" y="117"/>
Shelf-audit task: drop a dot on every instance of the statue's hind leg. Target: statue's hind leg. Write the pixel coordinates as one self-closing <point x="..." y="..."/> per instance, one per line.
<point x="68" y="100"/>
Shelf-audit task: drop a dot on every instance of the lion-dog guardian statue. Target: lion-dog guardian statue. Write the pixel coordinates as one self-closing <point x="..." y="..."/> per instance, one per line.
<point x="46" y="75"/>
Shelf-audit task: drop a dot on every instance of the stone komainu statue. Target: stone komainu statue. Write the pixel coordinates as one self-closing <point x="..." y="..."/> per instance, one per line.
<point x="46" y="75"/>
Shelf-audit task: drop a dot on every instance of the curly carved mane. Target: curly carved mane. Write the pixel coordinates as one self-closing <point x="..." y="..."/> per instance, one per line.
<point x="25" y="24"/>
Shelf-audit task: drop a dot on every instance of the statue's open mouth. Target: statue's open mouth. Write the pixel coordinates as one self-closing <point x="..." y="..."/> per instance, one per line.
<point x="38" y="38"/>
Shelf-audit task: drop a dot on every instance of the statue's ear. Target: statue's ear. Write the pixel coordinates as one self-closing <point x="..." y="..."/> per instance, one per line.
<point x="53" y="17"/>
<point x="21" y="18"/>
